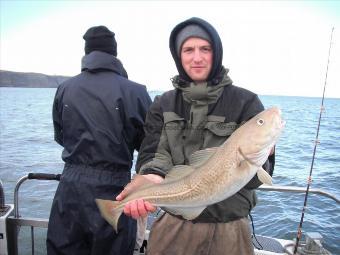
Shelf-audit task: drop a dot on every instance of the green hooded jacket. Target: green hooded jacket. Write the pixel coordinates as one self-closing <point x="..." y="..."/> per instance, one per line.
<point x="194" y="117"/>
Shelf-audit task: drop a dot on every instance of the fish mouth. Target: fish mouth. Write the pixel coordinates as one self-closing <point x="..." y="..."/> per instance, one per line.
<point x="279" y="119"/>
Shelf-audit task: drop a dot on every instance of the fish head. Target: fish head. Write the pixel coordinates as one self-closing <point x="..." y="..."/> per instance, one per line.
<point x="257" y="137"/>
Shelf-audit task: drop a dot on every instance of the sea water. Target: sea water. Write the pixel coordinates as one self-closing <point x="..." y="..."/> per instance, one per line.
<point x="27" y="145"/>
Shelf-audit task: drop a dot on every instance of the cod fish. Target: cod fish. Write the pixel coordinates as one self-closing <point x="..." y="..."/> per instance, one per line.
<point x="213" y="174"/>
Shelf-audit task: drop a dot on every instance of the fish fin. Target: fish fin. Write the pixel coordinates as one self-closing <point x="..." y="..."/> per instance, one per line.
<point x="109" y="212"/>
<point x="187" y="213"/>
<point x="264" y="177"/>
<point x="178" y="172"/>
<point x="199" y="157"/>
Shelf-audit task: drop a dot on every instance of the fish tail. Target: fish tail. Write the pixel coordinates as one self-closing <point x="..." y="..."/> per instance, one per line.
<point x="110" y="212"/>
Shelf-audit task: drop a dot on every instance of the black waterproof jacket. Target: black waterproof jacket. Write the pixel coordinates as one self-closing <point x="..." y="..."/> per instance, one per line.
<point x="98" y="115"/>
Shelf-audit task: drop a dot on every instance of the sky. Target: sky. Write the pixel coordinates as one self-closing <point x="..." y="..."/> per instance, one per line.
<point x="270" y="47"/>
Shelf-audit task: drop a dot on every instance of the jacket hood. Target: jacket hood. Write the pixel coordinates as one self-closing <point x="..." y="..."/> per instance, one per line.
<point x="216" y="43"/>
<point x="98" y="61"/>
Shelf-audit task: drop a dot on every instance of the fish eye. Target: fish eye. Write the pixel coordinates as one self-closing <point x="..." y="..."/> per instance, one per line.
<point x="260" y="122"/>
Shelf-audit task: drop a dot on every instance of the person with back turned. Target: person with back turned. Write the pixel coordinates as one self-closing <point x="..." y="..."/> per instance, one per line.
<point x="98" y="118"/>
<point x="203" y="110"/>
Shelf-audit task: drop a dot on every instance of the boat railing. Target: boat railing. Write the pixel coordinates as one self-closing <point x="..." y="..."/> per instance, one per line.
<point x="296" y="189"/>
<point x="15" y="221"/>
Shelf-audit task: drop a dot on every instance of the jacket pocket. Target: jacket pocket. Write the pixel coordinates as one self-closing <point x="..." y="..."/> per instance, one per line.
<point x="216" y="131"/>
<point x="174" y="128"/>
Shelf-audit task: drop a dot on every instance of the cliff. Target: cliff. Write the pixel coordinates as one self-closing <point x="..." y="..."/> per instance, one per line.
<point x="29" y="80"/>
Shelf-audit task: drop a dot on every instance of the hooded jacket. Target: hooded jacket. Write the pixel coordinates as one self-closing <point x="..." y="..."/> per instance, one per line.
<point x="191" y="118"/>
<point x="216" y="73"/>
<point x="98" y="115"/>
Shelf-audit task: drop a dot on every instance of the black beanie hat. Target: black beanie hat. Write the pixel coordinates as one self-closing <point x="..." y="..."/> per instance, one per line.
<point x="100" y="38"/>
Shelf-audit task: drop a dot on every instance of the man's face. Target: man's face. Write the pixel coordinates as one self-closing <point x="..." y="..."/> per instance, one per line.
<point x="196" y="58"/>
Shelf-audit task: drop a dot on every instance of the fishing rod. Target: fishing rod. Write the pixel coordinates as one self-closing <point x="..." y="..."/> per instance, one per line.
<point x="316" y="142"/>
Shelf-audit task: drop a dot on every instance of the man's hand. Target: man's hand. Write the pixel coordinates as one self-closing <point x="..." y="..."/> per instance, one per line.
<point x="138" y="208"/>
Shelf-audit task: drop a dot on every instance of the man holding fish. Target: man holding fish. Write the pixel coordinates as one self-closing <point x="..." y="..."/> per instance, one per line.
<point x="197" y="162"/>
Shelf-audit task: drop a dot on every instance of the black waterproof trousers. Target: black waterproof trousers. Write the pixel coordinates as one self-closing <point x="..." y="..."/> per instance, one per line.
<point x="76" y="226"/>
